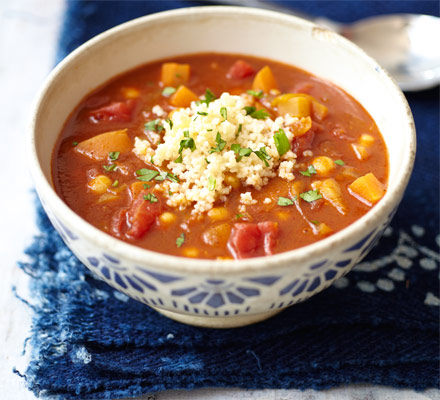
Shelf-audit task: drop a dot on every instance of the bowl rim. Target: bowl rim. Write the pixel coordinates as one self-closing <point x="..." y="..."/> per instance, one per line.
<point x="171" y="263"/>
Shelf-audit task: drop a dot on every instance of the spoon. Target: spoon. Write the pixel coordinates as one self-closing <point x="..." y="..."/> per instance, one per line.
<point x="406" y="45"/>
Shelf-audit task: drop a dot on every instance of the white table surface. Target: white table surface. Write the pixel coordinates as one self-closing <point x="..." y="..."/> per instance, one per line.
<point x="28" y="34"/>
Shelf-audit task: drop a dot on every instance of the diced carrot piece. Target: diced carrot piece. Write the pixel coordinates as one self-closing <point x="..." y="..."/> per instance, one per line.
<point x="173" y="74"/>
<point x="264" y="80"/>
<point x="366" y="140"/>
<point x="348" y="172"/>
<point x="320" y="111"/>
<point x="324" y="165"/>
<point x="296" y="106"/>
<point x="360" y="151"/>
<point x="301" y="126"/>
<point x="367" y="189"/>
<point x="98" y="147"/>
<point x="217" y="236"/>
<point x="183" y="97"/>
<point x="331" y="192"/>
<point x="136" y="188"/>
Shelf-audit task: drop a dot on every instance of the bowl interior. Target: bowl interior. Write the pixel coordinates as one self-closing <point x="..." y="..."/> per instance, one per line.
<point x="231" y="30"/>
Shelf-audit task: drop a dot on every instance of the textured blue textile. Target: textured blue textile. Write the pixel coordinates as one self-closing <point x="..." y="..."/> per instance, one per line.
<point x="379" y="324"/>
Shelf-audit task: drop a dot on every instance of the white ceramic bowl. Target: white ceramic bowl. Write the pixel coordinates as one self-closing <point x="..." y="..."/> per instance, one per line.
<point x="208" y="292"/>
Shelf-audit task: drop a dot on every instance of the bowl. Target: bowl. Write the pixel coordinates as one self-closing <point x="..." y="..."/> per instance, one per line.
<point x="221" y="293"/>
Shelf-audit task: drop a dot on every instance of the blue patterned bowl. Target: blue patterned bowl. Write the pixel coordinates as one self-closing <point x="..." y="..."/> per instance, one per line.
<point x="213" y="293"/>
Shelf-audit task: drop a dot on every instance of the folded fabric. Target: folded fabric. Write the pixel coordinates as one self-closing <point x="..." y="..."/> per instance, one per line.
<point x="377" y="325"/>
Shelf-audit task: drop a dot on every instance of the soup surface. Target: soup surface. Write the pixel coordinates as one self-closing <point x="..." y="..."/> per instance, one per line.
<point x="220" y="156"/>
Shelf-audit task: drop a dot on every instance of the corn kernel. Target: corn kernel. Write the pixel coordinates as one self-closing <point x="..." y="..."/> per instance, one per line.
<point x="232" y="180"/>
<point x="192" y="252"/>
<point x="167" y="218"/>
<point x="218" y="213"/>
<point x="324" y="165"/>
<point x="100" y="184"/>
<point x="360" y="151"/>
<point x="366" y="140"/>
<point x="130" y="93"/>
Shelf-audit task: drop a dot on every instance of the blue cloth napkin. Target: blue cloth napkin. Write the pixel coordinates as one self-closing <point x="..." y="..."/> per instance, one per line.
<point x="378" y="325"/>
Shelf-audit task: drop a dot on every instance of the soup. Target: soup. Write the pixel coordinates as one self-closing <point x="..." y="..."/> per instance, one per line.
<point x="220" y="156"/>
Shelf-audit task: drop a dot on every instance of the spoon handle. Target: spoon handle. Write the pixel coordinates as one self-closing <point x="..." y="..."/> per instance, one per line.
<point x="283" y="9"/>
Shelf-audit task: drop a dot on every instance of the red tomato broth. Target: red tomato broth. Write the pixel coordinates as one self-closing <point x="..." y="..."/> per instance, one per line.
<point x="345" y="122"/>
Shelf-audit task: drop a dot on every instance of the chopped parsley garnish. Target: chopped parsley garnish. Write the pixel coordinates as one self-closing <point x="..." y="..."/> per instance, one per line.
<point x="166" y="175"/>
<point x="179" y="159"/>
<point x="170" y="123"/>
<point x="151" y="198"/>
<point x="257" y="114"/>
<point x="187" y="143"/>
<point x="115" y="183"/>
<point x="178" y="76"/>
<point x="256" y="93"/>
<point x="240" y="127"/>
<point x="114" y="155"/>
<point x="240" y="152"/>
<point x="146" y="186"/>
<point x="202" y="113"/>
<point x="110" y="167"/>
<point x="262" y="155"/>
<point x="74" y="143"/>
<point x="211" y="184"/>
<point x="209" y="96"/>
<point x="310" y="170"/>
<point x="154" y="125"/>
<point x="220" y="144"/>
<point x="168" y="91"/>
<point x="310" y="196"/>
<point x="224" y="112"/>
<point x="146" y="175"/>
<point x="285" y="201"/>
<point x="207" y="161"/>
<point x="152" y="160"/>
<point x="180" y="240"/>
<point x="281" y="142"/>
<point x="238" y="216"/>
<point x="339" y="162"/>
<point x="315" y="222"/>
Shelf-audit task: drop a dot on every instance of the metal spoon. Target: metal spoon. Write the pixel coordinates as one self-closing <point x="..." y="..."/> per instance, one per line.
<point x="407" y="45"/>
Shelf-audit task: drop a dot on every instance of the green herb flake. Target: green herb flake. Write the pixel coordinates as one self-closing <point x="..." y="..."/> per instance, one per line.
<point x="168" y="91"/>
<point x="224" y="113"/>
<point x="245" y="152"/>
<point x="178" y="76"/>
<point x="146" y="186"/>
<point x="310" y="170"/>
<point x="285" y="201"/>
<point x="262" y="155"/>
<point x="180" y="240"/>
<point x="310" y="196"/>
<point x="166" y="175"/>
<point x="179" y="159"/>
<point x="249" y="109"/>
<point x="170" y="123"/>
<point x="315" y="222"/>
<point x="74" y="143"/>
<point x="115" y="183"/>
<point x="202" y="113"/>
<point x="146" y="175"/>
<point x="238" y="216"/>
<point x="281" y="142"/>
<point x="110" y="167"/>
<point x="114" y="155"/>
<point x="207" y="161"/>
<point x="151" y="198"/>
<point x="220" y="144"/>
<point x="256" y="93"/>
<point x="211" y="183"/>
<point x="154" y="126"/>
<point x="339" y="162"/>
<point x="240" y="127"/>
<point x="260" y="114"/>
<point x="209" y="96"/>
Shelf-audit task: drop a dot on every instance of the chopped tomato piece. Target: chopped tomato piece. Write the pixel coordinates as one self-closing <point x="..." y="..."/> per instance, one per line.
<point x="117" y="111"/>
<point x="138" y="219"/>
<point x="240" y="70"/>
<point x="246" y="239"/>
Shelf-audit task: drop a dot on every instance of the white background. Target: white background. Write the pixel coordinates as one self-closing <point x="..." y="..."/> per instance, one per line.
<point x="28" y="34"/>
